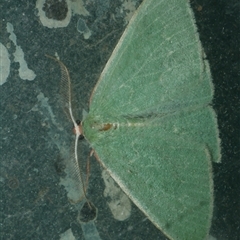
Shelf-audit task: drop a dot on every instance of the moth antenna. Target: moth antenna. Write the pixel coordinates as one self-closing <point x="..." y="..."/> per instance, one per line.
<point x="67" y="103"/>
<point x="65" y="89"/>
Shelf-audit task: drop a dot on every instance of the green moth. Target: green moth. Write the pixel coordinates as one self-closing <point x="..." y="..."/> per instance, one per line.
<point x="151" y="123"/>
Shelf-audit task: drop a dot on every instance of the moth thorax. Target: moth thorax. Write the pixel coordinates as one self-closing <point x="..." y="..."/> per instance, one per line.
<point x="77" y="130"/>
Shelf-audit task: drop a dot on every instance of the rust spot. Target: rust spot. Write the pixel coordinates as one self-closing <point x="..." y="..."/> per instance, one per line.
<point x="199" y="8"/>
<point x="13" y="183"/>
<point x="42" y="194"/>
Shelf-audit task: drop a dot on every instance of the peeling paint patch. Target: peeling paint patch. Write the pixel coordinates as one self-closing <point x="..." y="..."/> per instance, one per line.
<point x="50" y="13"/>
<point x="24" y="72"/>
<point x="58" y="13"/>
<point x="4" y="64"/>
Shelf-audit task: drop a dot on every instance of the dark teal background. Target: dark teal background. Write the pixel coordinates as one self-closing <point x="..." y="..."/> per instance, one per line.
<point x="219" y="28"/>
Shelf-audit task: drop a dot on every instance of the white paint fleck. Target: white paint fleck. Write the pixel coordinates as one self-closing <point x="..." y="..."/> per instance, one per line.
<point x="67" y="235"/>
<point x="43" y="102"/>
<point x="4" y="64"/>
<point x="24" y="72"/>
<point x="78" y="8"/>
<point x="119" y="204"/>
<point x="83" y="28"/>
<point x="211" y="238"/>
<point x="129" y="6"/>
